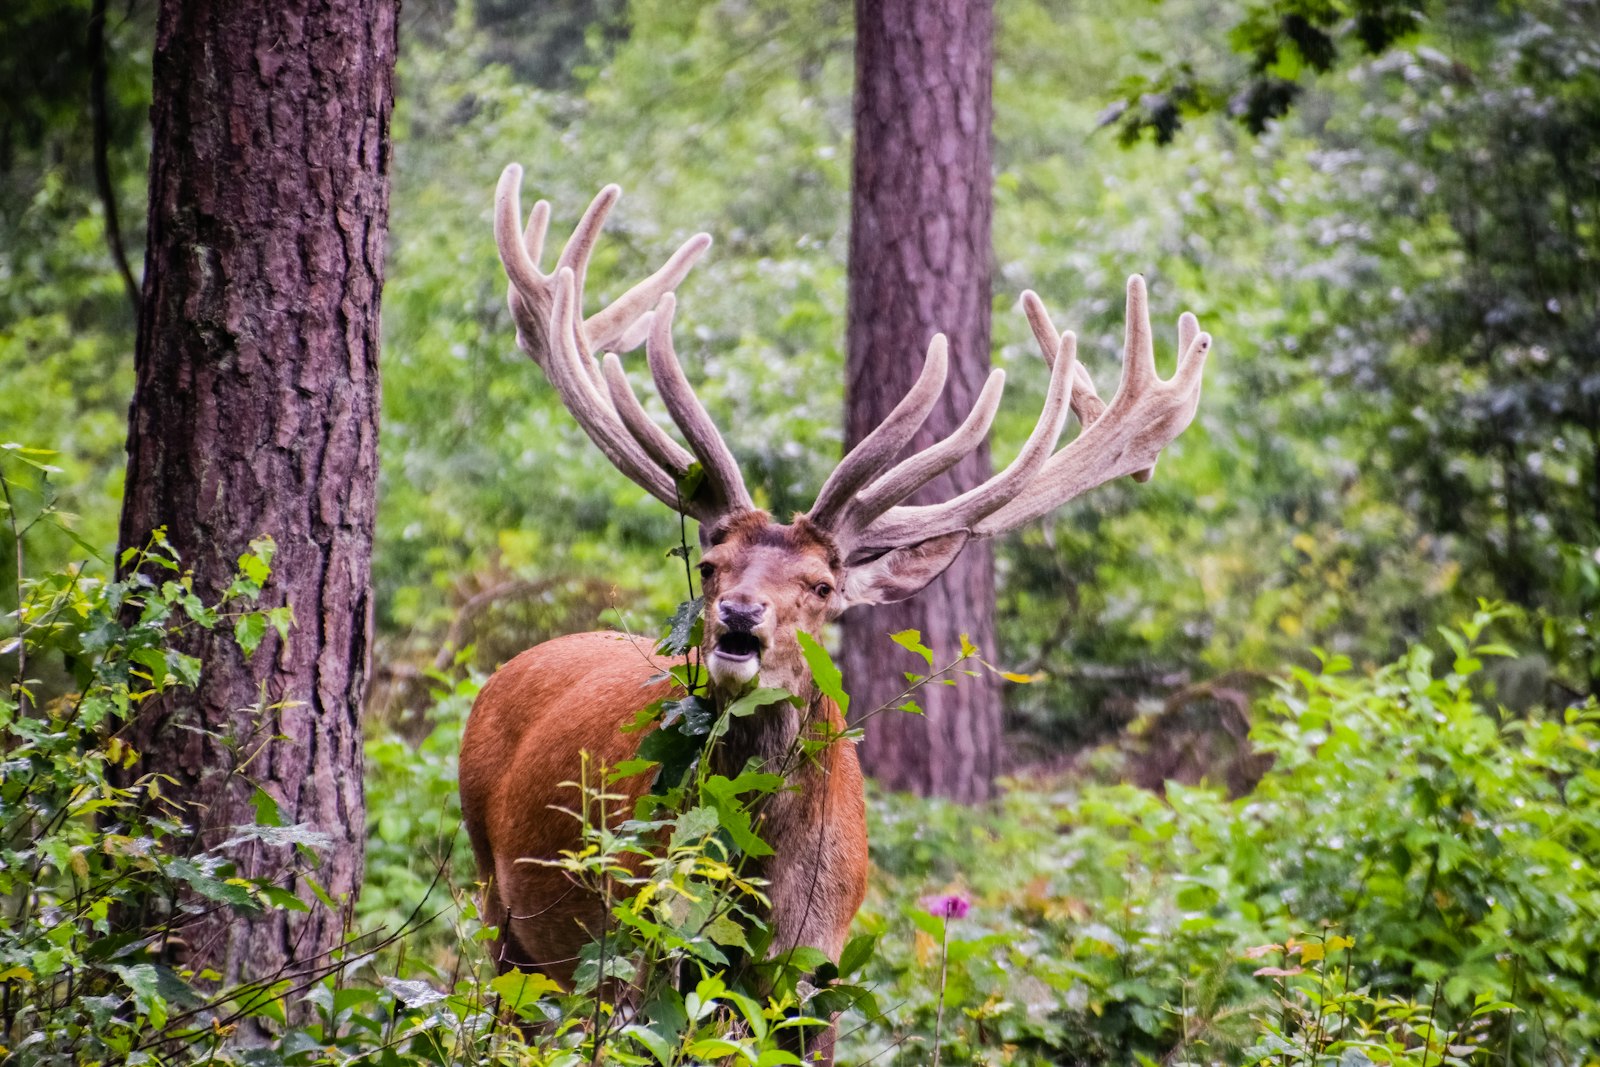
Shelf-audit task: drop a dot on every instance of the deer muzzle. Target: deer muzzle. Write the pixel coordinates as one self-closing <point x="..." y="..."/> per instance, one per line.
<point x="738" y="640"/>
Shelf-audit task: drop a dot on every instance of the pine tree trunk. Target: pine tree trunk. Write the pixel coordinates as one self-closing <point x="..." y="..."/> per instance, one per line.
<point x="256" y="412"/>
<point x="919" y="264"/>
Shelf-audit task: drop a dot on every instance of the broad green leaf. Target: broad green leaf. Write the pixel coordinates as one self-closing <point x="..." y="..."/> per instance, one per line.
<point x="520" y="990"/>
<point x="857" y="951"/>
<point x="682" y="629"/>
<point x="248" y="630"/>
<point x="757" y="699"/>
<point x="911" y="640"/>
<point x="824" y="672"/>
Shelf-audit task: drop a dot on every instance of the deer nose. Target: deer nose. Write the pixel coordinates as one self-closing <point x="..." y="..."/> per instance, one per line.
<point x="741" y="614"/>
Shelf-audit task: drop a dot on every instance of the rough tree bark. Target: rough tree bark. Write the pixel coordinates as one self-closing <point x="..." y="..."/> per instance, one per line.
<point x="919" y="264"/>
<point x="256" y="409"/>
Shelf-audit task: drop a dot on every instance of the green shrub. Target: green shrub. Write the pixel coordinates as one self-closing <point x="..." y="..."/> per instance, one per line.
<point x="99" y="871"/>
<point x="1455" y="844"/>
<point x="1413" y="882"/>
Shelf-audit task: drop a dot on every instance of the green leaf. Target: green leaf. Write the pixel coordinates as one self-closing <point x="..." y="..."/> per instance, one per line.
<point x="856" y="953"/>
<point x="319" y="892"/>
<point x="683" y="629"/>
<point x="256" y="564"/>
<point x="281" y="619"/>
<point x="759" y="782"/>
<point x="187" y="668"/>
<point x="278" y="897"/>
<point x="690" y="482"/>
<point x="725" y="931"/>
<point x="734" y="816"/>
<point x="823" y="671"/>
<point x="657" y="1045"/>
<point x="267" y="811"/>
<point x="665" y="1014"/>
<point x="803" y="960"/>
<point x="248" y="630"/>
<point x="153" y="660"/>
<point x="629" y="769"/>
<point x="692" y="716"/>
<point x="674" y="751"/>
<point x="693" y="825"/>
<point x="911" y="640"/>
<point x="521" y="990"/>
<point x="757" y="699"/>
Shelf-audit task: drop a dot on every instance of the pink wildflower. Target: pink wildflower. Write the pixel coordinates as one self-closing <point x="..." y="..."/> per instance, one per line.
<point x="947" y="905"/>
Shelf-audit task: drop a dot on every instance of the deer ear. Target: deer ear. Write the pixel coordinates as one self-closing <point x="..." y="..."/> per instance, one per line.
<point x="901" y="572"/>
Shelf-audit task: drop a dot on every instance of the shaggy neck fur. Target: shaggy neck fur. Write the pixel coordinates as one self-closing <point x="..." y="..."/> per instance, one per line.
<point x="767" y="736"/>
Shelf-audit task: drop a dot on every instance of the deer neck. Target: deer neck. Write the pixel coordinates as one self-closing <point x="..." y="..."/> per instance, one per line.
<point x="770" y="737"/>
<point x="767" y="736"/>
<point x="769" y="741"/>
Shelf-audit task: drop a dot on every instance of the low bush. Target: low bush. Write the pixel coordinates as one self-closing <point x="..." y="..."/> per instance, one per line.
<point x="1412" y="882"/>
<point x="1452" y="844"/>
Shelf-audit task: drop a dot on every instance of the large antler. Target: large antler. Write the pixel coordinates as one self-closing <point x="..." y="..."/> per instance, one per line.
<point x="548" y="310"/>
<point x="862" y="502"/>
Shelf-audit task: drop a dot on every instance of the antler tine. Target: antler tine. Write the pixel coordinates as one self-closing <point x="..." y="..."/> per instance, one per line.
<point x="575" y="253"/>
<point x="521" y="267"/>
<point x="548" y="310"/>
<point x="663" y="449"/>
<point x="1143" y="417"/>
<point x="903" y="525"/>
<point x="879" y="448"/>
<point x="538" y="226"/>
<point x="1086" y="402"/>
<point x="618" y="324"/>
<point x="1123" y="437"/>
<point x="722" y="471"/>
<point x="565" y="367"/>
<point x="917" y="470"/>
<point x="1138" y="346"/>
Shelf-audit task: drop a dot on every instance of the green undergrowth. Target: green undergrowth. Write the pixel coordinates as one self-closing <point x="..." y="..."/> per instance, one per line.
<point x="1413" y="881"/>
<point x="1448" y="846"/>
<point x="1415" y="873"/>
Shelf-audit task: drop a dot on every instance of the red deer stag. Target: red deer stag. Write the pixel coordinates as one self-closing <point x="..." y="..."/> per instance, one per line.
<point x="763" y="580"/>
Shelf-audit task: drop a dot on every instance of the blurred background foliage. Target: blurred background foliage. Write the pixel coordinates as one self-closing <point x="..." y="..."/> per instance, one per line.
<point x="1403" y="415"/>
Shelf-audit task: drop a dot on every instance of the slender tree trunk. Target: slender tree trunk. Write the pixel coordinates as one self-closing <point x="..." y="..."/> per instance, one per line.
<point x="919" y="264"/>
<point x="256" y="412"/>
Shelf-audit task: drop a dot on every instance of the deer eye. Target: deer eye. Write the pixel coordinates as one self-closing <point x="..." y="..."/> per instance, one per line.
<point x="823" y="590"/>
<point x="706" y="571"/>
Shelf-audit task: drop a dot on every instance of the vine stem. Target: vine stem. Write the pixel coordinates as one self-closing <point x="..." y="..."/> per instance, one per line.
<point x="96" y="47"/>
<point x="21" y="683"/>
<point x="944" y="964"/>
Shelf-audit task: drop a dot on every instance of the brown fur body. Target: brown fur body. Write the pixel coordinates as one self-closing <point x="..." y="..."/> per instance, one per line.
<point x="572" y="695"/>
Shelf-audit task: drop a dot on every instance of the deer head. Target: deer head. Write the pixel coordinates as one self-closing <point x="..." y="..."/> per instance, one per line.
<point x="859" y="543"/>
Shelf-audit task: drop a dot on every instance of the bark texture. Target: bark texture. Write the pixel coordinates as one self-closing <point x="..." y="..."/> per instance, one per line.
<point x="256" y="412"/>
<point x="920" y="264"/>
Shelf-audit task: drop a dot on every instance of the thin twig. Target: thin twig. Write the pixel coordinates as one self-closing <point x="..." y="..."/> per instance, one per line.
<point x="102" y="150"/>
<point x="944" y="964"/>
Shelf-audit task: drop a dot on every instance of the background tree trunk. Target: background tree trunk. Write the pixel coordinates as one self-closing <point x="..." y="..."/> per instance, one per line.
<point x="919" y="264"/>
<point x="256" y="412"/>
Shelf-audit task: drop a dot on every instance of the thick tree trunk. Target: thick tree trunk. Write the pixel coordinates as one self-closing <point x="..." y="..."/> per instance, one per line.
<point x="919" y="264"/>
<point x="256" y="412"/>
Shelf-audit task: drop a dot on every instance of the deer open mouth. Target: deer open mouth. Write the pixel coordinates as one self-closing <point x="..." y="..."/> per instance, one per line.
<point x="738" y="645"/>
